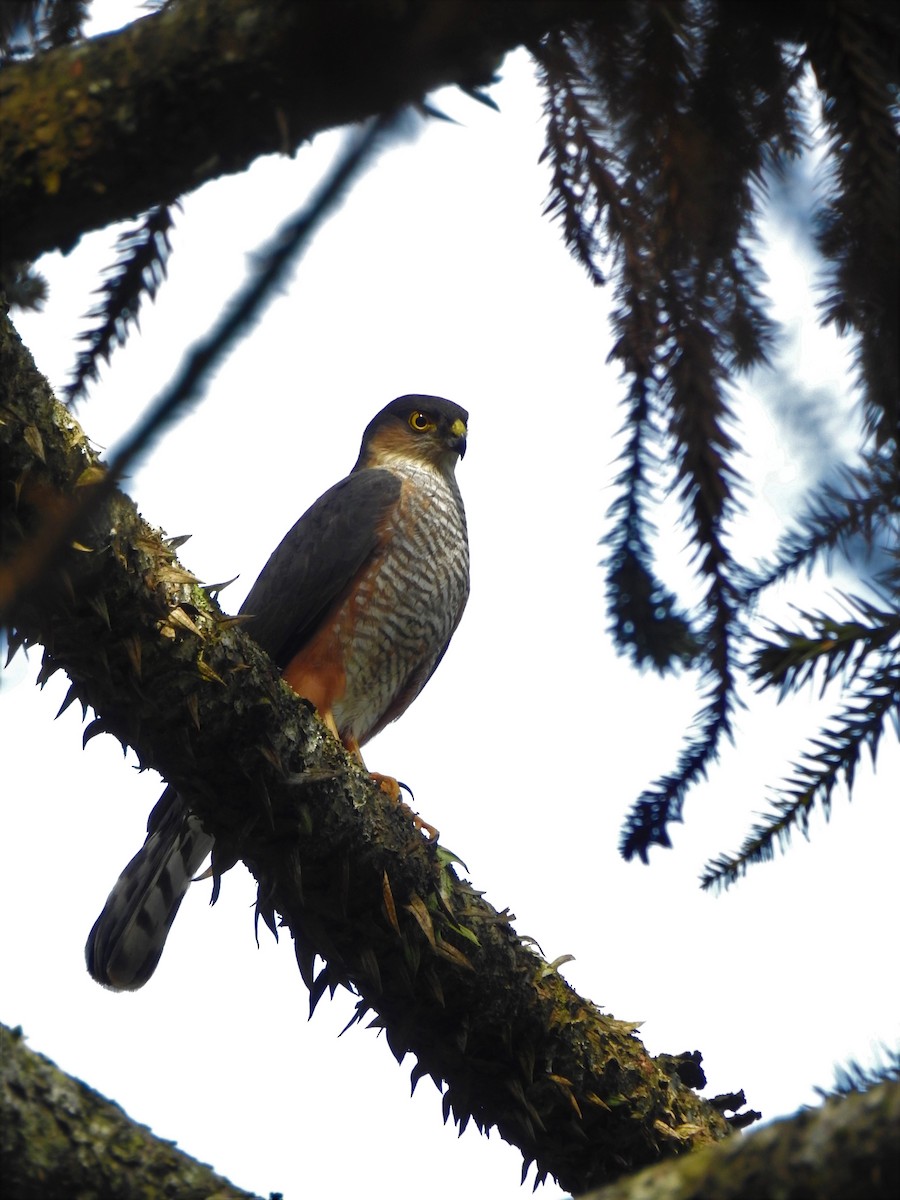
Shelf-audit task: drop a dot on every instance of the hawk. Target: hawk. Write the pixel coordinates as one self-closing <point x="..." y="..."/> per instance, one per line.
<point x="356" y="607"/>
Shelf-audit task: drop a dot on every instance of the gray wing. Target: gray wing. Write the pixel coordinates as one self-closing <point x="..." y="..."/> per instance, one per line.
<point x="316" y="561"/>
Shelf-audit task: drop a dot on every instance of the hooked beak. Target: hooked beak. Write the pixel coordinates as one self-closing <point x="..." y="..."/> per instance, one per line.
<point x="457" y="440"/>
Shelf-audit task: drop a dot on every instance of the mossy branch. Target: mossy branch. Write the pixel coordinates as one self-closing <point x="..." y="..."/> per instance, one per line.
<point x="105" y="129"/>
<point x="53" y="1125"/>
<point x="58" y="1137"/>
<point x="847" y="1148"/>
<point x="509" y="1042"/>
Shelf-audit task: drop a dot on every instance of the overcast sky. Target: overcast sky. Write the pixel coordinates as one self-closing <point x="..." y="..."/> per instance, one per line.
<point x="439" y="275"/>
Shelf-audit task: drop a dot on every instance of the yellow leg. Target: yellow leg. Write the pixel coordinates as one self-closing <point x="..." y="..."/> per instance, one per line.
<point x="387" y="783"/>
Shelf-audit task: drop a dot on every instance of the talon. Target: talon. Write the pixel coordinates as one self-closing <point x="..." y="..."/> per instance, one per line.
<point x="429" y="830"/>
<point x="391" y="788"/>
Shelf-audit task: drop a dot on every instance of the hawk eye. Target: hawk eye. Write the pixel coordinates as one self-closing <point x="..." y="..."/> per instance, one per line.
<point x="420" y="422"/>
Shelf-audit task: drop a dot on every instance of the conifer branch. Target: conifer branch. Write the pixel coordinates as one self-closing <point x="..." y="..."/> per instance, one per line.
<point x="143" y="256"/>
<point x="664" y="124"/>
<point x="196" y="91"/>
<point x="851" y="1078"/>
<point x="791" y="658"/>
<point x="645" y="619"/>
<point x="833" y="755"/>
<point x="863" y="506"/>
<point x="853" y="55"/>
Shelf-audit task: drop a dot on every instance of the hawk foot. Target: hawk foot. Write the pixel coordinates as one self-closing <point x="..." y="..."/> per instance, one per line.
<point x="388" y="784"/>
<point x="391" y="788"/>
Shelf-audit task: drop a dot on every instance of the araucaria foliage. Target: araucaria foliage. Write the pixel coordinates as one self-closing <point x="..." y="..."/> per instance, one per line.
<point x="666" y="122"/>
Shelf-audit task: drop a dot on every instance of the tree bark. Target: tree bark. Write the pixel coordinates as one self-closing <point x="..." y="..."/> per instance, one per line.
<point x="845" y="1150"/>
<point x="509" y="1042"/>
<point x="99" y="131"/>
<point x="58" y="1137"/>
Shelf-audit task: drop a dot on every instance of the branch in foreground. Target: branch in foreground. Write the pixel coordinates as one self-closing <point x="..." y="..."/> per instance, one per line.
<point x="844" y="1149"/>
<point x="511" y="1045"/>
<point x="847" y="1148"/>
<point x="58" y="1137"/>
<point x="99" y="131"/>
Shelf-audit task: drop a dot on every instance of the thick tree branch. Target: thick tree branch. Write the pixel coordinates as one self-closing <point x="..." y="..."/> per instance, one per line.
<point x="97" y="132"/>
<point x="58" y="1137"/>
<point x="511" y="1044"/>
<point x="847" y="1148"/>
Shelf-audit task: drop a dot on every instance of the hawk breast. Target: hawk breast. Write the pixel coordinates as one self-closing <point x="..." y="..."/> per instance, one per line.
<point x="396" y="623"/>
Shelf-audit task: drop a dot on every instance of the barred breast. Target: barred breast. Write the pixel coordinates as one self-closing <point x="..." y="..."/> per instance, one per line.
<point x="399" y="621"/>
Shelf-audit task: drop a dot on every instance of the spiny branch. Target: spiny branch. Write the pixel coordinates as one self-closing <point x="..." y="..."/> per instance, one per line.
<point x="833" y="755"/>
<point x="143" y="255"/>
<point x="853" y="52"/>
<point x="863" y="505"/>
<point x="510" y="1044"/>
<point x="664" y="123"/>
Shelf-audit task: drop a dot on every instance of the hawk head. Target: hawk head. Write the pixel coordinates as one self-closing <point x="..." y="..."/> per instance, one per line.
<point x="424" y="429"/>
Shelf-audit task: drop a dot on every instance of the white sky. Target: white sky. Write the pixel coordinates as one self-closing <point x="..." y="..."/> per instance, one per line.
<point x="438" y="275"/>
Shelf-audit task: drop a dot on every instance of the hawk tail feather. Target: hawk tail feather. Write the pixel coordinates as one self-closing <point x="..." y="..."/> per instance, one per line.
<point x="128" y="937"/>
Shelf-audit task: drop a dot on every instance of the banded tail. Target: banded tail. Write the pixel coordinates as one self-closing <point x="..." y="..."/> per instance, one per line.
<point x="128" y="937"/>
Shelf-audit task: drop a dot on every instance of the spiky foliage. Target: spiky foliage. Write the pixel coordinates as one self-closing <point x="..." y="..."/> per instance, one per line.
<point x="143" y="255"/>
<point x="852" y="515"/>
<point x="30" y="25"/>
<point x="850" y="1077"/>
<point x="23" y="286"/>
<point x="664" y="123"/>
<point x="859" y="649"/>
<point x="853" y="53"/>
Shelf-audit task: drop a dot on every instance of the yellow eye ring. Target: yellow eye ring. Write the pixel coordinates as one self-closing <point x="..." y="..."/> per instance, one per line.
<point x="420" y="422"/>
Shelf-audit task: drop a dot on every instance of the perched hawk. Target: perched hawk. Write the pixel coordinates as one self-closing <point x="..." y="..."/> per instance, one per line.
<point x="356" y="607"/>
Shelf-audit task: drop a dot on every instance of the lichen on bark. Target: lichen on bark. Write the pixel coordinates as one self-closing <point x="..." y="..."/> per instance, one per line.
<point x="58" y="1137"/>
